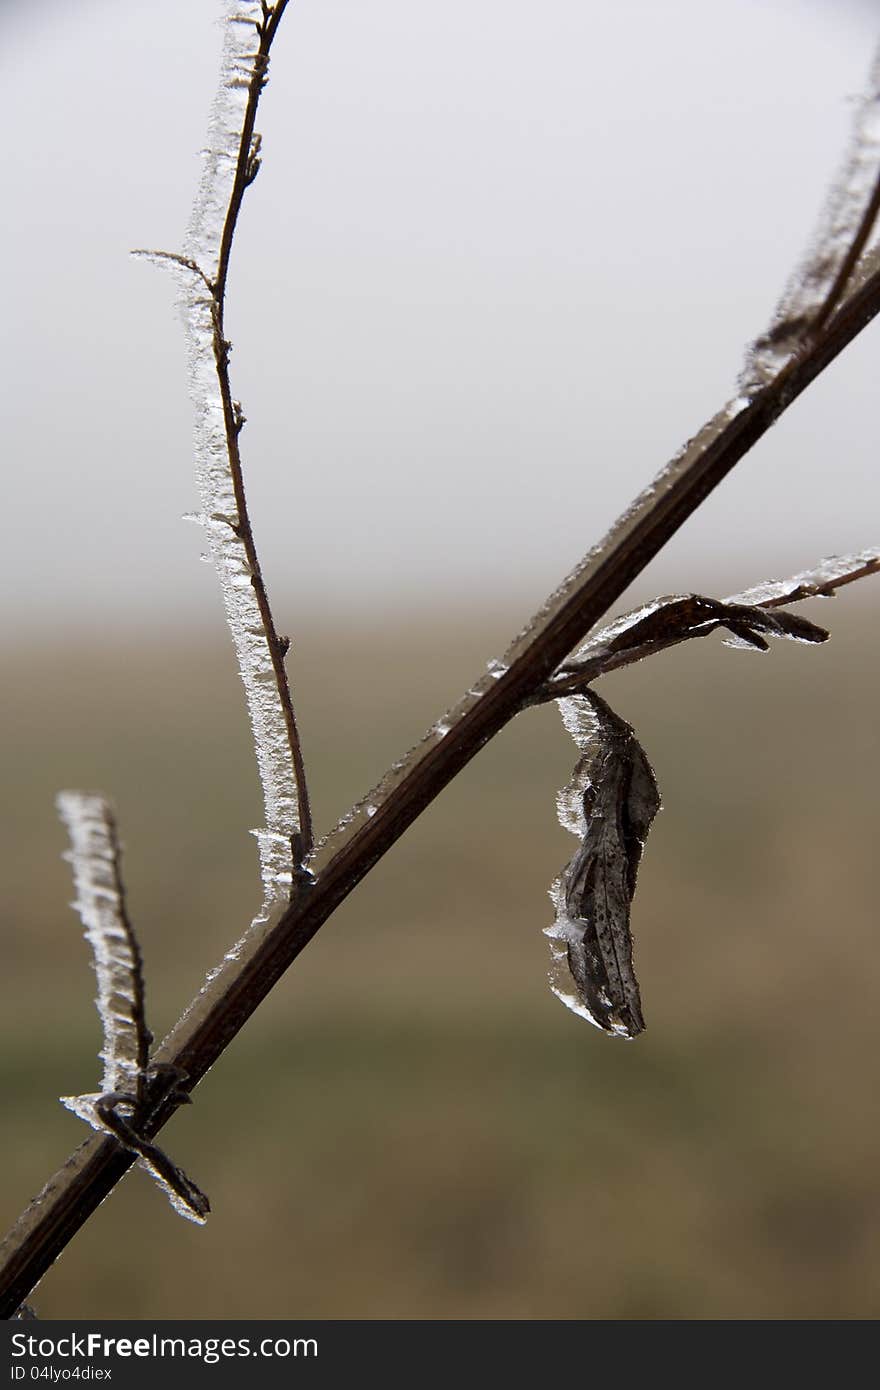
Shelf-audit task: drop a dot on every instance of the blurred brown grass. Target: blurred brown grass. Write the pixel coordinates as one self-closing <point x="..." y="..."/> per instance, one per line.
<point x="412" y="1126"/>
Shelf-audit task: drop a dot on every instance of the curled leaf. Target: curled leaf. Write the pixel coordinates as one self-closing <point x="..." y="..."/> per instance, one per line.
<point x="666" y="622"/>
<point x="676" y="618"/>
<point x="610" y="803"/>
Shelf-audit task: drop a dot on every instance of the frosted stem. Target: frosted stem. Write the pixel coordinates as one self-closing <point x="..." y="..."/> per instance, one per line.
<point x="100" y="901"/>
<point x="201" y="272"/>
<point x="822" y="581"/>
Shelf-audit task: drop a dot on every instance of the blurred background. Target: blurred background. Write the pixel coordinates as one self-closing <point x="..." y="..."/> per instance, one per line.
<point x="498" y="264"/>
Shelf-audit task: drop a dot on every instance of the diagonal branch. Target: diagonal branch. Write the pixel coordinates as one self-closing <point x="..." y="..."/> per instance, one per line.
<point x="239" y="986"/>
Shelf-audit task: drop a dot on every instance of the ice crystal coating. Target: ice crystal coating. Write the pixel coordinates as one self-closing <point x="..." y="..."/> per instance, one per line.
<point x="183" y="1208"/>
<point x="676" y="618"/>
<point x="100" y="902"/>
<point x="601" y="639"/>
<point x="84" y="1108"/>
<point x="820" y="582"/>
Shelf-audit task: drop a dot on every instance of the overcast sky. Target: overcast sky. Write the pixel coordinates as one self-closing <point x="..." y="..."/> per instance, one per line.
<point x="501" y="260"/>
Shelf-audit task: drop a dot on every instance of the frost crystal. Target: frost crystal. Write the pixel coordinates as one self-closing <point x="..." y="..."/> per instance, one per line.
<point x="830" y="574"/>
<point x="182" y="1207"/>
<point x="100" y="902"/>
<point x="224" y="134"/>
<point x="600" y="639"/>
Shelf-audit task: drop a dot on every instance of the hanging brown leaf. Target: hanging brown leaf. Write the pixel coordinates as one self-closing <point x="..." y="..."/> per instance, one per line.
<point x="610" y="803"/>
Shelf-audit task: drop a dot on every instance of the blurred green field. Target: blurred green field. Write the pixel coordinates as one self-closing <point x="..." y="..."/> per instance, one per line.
<point x="413" y="1126"/>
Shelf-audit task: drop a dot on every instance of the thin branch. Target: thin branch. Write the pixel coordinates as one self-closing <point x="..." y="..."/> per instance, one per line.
<point x="175" y="259"/>
<point x="95" y="855"/>
<point x="245" y="170"/>
<point x="822" y="582"/>
<point x="204" y="266"/>
<point x="246" y="167"/>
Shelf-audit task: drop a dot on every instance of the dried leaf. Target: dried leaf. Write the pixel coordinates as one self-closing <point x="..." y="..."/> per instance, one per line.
<point x="675" y="618"/>
<point x="610" y="803"/>
<point x="613" y="798"/>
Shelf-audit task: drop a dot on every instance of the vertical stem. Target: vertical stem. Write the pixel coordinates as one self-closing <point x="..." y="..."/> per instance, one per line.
<point x="245" y="172"/>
